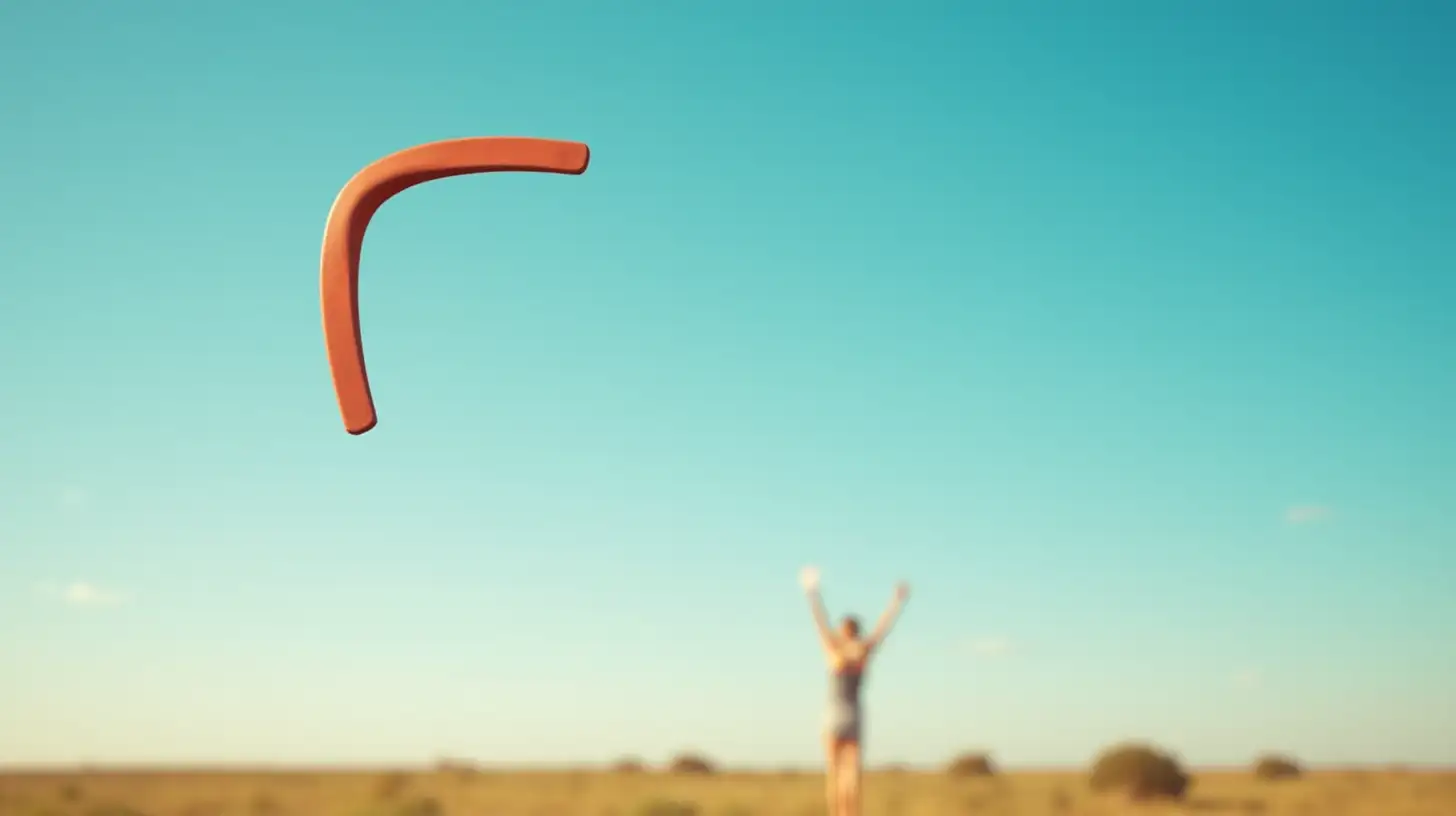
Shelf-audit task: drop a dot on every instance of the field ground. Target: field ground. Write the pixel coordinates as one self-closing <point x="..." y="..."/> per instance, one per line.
<point x="589" y="793"/>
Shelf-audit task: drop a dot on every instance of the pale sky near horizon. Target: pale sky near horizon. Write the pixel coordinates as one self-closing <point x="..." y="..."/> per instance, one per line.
<point x="1124" y="334"/>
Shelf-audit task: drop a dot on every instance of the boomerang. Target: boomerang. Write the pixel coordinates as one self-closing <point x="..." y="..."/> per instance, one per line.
<point x="356" y="205"/>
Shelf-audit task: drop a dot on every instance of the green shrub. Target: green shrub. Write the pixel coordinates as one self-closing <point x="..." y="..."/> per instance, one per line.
<point x="1140" y="771"/>
<point x="971" y="765"/>
<point x="691" y="764"/>
<point x="1274" y="767"/>
<point x="416" y="806"/>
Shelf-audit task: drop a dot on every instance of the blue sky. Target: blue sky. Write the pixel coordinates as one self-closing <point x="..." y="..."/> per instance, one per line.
<point x="1121" y="330"/>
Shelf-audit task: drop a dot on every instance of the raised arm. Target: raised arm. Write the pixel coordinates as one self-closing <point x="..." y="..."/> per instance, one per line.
<point x="809" y="579"/>
<point x="891" y="613"/>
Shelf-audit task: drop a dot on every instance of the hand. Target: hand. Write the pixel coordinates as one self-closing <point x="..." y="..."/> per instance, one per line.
<point x="809" y="579"/>
<point x="902" y="592"/>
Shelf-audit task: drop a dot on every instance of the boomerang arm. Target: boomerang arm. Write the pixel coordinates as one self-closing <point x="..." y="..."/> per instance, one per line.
<point x="349" y="218"/>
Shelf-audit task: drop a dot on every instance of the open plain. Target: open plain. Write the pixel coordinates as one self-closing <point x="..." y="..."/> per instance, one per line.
<point x="466" y="792"/>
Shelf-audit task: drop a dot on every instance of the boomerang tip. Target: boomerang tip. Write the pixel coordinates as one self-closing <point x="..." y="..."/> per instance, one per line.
<point x="578" y="156"/>
<point x="360" y="425"/>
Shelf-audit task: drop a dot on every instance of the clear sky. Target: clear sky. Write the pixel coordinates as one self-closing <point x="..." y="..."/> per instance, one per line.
<point x="1122" y="330"/>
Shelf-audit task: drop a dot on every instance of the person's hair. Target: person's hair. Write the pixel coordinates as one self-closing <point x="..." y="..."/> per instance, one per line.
<point x="850" y="624"/>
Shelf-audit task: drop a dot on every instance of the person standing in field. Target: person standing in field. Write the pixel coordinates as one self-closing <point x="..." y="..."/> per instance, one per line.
<point x="848" y="655"/>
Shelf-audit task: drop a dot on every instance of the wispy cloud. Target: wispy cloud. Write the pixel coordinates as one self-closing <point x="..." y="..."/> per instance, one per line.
<point x="1247" y="678"/>
<point x="1308" y="513"/>
<point x="989" y="648"/>
<point x="83" y="593"/>
<point x="72" y="497"/>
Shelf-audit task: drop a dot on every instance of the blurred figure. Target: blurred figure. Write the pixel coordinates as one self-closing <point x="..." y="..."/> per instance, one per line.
<point x="848" y="655"/>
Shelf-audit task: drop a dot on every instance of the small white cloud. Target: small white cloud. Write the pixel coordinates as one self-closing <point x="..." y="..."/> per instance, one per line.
<point x="73" y="497"/>
<point x="1248" y="678"/>
<point x="989" y="648"/>
<point x="1308" y="513"/>
<point x="82" y="593"/>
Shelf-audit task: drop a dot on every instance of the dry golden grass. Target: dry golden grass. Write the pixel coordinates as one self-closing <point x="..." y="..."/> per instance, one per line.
<point x="456" y="791"/>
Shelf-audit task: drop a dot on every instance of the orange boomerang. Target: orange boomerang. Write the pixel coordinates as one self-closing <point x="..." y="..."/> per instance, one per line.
<point x="357" y="203"/>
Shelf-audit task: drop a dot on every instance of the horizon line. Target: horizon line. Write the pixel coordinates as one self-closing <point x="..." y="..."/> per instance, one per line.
<point x="143" y="768"/>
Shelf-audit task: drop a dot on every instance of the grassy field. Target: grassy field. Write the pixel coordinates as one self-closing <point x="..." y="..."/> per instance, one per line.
<point x="586" y="793"/>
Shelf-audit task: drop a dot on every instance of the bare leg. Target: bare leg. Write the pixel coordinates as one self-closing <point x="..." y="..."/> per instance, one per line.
<point x="831" y="775"/>
<point x="850" y="774"/>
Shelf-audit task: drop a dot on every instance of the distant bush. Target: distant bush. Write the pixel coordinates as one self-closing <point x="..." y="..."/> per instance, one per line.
<point x="391" y="785"/>
<point x="629" y="765"/>
<point x="413" y="806"/>
<point x="1140" y="771"/>
<point x="691" y="764"/>
<point x="1273" y="767"/>
<point x="971" y="765"/>
<point x="451" y="766"/>
<point x="666" y="807"/>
